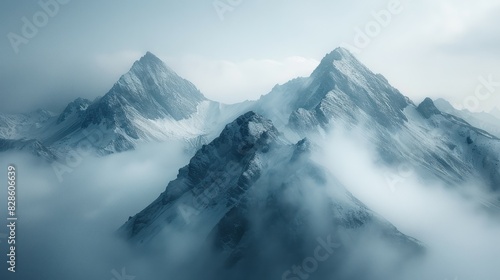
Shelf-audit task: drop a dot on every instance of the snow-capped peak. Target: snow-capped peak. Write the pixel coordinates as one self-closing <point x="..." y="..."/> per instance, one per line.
<point x="249" y="129"/>
<point x="341" y="87"/>
<point x="339" y="54"/>
<point x="150" y="57"/>
<point x="152" y="64"/>
<point x="150" y="91"/>
<point x="332" y="59"/>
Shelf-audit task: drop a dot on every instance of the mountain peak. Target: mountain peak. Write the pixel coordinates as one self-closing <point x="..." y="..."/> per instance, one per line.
<point x="150" y="63"/>
<point x="443" y="105"/>
<point x="340" y="53"/>
<point x="427" y="108"/>
<point x="77" y="106"/>
<point x="234" y="155"/>
<point x="342" y="83"/>
<point x="150" y="57"/>
<point x="153" y="90"/>
<point x="250" y="116"/>
<point x="333" y="60"/>
<point x="249" y="129"/>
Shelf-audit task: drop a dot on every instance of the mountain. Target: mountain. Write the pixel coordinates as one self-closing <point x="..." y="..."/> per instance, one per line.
<point x="252" y="201"/>
<point x="16" y="126"/>
<point x="482" y="120"/>
<point x="150" y="90"/>
<point x="250" y="187"/>
<point x="150" y="103"/>
<point x="142" y="106"/>
<point x="32" y="147"/>
<point x="340" y="89"/>
<point x="75" y="109"/>
<point x="476" y="152"/>
<point x="17" y="132"/>
<point x="253" y="196"/>
<point x="343" y="93"/>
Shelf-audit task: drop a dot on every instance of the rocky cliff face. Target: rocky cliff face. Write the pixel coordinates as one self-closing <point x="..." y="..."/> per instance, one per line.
<point x="250" y="188"/>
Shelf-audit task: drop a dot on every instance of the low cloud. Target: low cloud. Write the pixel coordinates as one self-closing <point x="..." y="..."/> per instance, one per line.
<point x="459" y="233"/>
<point x="67" y="230"/>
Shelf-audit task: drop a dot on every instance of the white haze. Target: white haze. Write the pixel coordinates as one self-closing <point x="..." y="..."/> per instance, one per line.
<point x="460" y="236"/>
<point x="67" y="230"/>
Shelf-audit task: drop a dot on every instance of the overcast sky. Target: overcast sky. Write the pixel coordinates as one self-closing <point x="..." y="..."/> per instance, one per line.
<point x="241" y="49"/>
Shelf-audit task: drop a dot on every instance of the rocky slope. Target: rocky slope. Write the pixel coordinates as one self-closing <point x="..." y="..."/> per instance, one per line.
<point x="250" y="188"/>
